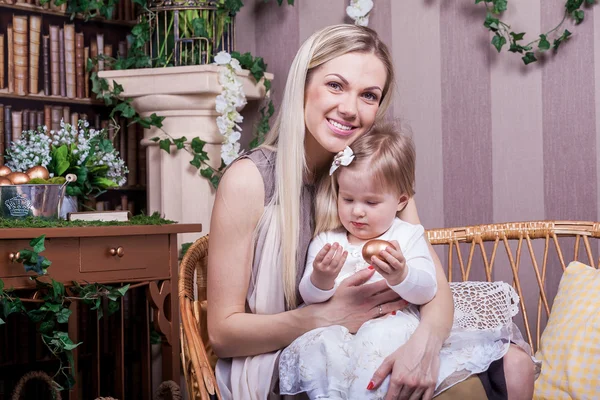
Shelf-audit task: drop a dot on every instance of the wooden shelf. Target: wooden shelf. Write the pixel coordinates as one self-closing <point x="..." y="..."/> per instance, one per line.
<point x="49" y="99"/>
<point x="40" y="10"/>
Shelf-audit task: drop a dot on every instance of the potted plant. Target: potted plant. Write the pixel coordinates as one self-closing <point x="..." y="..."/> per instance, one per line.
<point x="85" y="152"/>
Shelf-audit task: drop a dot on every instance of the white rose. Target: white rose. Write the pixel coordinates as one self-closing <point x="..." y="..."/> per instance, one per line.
<point x="235" y="64"/>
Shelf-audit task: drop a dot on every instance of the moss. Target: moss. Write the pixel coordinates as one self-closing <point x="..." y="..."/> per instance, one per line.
<point x="33" y="222"/>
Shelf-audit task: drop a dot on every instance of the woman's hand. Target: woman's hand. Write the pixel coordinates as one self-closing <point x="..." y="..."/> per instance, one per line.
<point x="413" y="368"/>
<point x="354" y="303"/>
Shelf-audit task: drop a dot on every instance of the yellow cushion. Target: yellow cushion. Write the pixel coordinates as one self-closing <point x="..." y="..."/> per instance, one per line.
<point x="570" y="344"/>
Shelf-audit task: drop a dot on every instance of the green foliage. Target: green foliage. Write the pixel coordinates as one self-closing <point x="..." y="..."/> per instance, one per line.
<point x="34" y="222"/>
<point x="503" y="33"/>
<point x="54" y="309"/>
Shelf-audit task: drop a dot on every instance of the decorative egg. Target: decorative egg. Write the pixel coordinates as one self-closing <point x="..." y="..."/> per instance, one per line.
<point x="5" y="181"/>
<point x="38" y="172"/>
<point x="373" y="248"/>
<point x="4" y="170"/>
<point x="18" y="178"/>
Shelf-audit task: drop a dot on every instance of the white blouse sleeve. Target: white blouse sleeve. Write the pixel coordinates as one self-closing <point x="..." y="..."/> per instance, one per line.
<point x="420" y="285"/>
<point x="309" y="292"/>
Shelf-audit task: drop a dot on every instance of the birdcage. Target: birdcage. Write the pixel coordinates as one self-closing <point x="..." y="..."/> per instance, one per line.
<point x="188" y="32"/>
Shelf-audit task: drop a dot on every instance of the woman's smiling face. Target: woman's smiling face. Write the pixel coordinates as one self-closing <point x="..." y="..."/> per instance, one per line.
<point x="341" y="100"/>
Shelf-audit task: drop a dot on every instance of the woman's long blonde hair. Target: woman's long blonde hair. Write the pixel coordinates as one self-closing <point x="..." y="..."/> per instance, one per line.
<point x="390" y="154"/>
<point x="280" y="223"/>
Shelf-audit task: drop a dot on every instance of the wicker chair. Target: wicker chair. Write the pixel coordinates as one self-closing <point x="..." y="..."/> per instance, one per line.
<point x="471" y="253"/>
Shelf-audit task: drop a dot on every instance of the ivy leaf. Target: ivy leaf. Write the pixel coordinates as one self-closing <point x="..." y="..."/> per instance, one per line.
<point x="155" y="139"/>
<point x="2" y="321"/>
<point x="38" y="244"/>
<point x="267" y="84"/>
<point x="573" y="5"/>
<point x="491" y="23"/>
<point x="117" y="89"/>
<point x="529" y="58"/>
<point x="123" y="289"/>
<point x="499" y="6"/>
<point x="517" y="36"/>
<point x="63" y="316"/>
<point x="578" y="15"/>
<point x="180" y="142"/>
<point x="113" y="307"/>
<point x="558" y="41"/>
<point x="197" y="146"/>
<point x="543" y="44"/>
<point x="58" y="289"/>
<point x="1" y="286"/>
<point x="46" y="327"/>
<point x="165" y="145"/>
<point x="196" y="161"/>
<point x="498" y="41"/>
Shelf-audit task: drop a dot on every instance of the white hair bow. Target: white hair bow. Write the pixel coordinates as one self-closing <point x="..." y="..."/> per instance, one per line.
<point x="344" y="158"/>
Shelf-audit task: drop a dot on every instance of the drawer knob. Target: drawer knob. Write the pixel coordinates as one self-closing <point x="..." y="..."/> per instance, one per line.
<point x="118" y="251"/>
<point x="13" y="257"/>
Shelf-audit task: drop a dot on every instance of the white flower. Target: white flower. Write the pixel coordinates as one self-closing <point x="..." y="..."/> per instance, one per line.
<point x="223" y="58"/>
<point x="359" y="11"/>
<point x="227" y="103"/>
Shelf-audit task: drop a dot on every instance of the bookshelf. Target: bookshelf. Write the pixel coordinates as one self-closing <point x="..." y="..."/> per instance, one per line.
<point x="43" y="55"/>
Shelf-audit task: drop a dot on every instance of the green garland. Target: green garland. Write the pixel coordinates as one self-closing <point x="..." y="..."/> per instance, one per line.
<point x="503" y="33"/>
<point x="52" y="312"/>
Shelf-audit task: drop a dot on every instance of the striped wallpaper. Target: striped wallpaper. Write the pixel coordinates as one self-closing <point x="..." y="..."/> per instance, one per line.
<point x="496" y="141"/>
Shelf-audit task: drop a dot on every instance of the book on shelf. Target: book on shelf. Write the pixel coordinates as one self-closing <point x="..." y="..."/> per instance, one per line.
<point x="11" y="59"/>
<point x="1" y="134"/>
<point x="70" y="75"/>
<point x="86" y="73"/>
<point x="46" y="63"/>
<point x="17" y="125"/>
<point x="35" y="31"/>
<point x="61" y="63"/>
<point x="21" y="55"/>
<point x="66" y="117"/>
<point x="55" y="59"/>
<point x="24" y="120"/>
<point x="123" y="215"/>
<point x="79" y="65"/>
<point x="100" y="49"/>
<point x="1" y="61"/>
<point x="7" y="125"/>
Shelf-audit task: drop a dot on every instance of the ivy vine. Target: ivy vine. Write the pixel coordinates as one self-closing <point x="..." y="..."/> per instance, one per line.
<point x="504" y="35"/>
<point x="52" y="311"/>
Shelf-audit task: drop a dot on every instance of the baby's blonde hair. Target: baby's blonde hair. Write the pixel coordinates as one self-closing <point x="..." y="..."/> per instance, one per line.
<point x="391" y="158"/>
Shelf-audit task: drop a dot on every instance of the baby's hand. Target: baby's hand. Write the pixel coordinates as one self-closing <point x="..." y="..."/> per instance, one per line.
<point x="327" y="265"/>
<point x="394" y="268"/>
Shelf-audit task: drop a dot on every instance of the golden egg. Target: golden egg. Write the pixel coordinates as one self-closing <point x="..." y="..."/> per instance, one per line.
<point x="5" y="181"/>
<point x="373" y="248"/>
<point x="4" y="170"/>
<point x="18" y="178"/>
<point x="38" y="172"/>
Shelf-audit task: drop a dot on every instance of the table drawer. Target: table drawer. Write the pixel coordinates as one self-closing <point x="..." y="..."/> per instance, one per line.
<point x="63" y="252"/>
<point x="134" y="256"/>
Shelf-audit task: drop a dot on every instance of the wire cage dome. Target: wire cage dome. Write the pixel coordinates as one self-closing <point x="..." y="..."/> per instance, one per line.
<point x="188" y="32"/>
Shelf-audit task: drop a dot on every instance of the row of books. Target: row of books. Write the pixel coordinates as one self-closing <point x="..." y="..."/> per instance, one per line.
<point x="63" y="56"/>
<point x="126" y="140"/>
<point x="124" y="10"/>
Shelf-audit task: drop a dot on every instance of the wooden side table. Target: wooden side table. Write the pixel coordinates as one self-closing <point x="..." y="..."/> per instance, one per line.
<point x="139" y="255"/>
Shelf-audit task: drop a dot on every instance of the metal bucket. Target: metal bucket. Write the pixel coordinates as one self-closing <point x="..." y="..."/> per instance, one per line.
<point x="21" y="201"/>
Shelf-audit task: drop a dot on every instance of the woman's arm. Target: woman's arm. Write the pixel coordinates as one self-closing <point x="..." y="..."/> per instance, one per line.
<point x="414" y="367"/>
<point x="234" y="332"/>
<point x="438" y="314"/>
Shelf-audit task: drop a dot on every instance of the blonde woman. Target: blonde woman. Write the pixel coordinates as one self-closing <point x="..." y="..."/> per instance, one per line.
<point x="340" y="82"/>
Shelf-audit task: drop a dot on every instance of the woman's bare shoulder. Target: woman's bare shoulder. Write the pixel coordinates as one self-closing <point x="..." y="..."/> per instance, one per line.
<point x="241" y="192"/>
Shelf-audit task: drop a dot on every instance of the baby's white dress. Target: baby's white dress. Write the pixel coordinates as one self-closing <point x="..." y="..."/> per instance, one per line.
<point x="332" y="363"/>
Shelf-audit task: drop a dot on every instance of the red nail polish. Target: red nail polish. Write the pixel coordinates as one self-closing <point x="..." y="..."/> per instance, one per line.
<point x="371" y="267"/>
<point x="370" y="386"/>
<point x="393" y="312"/>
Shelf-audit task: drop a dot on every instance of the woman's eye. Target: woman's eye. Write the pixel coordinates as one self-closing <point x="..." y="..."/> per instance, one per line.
<point x="334" y="85"/>
<point x="371" y="96"/>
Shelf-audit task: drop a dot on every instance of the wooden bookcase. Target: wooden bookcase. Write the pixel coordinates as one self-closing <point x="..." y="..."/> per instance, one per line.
<point x="114" y="33"/>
